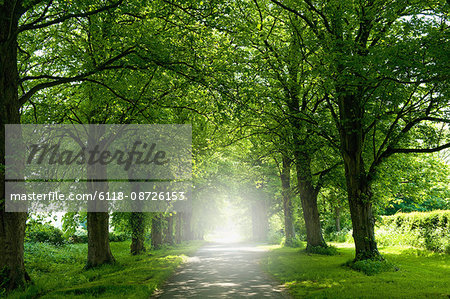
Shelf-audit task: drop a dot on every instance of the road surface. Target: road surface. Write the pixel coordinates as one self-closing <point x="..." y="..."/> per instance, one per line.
<point x="222" y="271"/>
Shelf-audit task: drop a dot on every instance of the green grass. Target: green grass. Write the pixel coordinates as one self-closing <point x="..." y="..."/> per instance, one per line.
<point x="57" y="272"/>
<point x="421" y="274"/>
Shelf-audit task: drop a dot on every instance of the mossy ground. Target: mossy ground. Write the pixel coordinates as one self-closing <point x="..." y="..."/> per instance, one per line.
<point x="57" y="271"/>
<point x="421" y="274"/>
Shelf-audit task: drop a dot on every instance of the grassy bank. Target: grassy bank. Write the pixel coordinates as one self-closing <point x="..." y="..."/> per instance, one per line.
<point x="57" y="271"/>
<point x="421" y="274"/>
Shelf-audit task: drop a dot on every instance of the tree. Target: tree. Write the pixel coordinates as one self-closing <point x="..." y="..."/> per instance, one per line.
<point x="19" y="20"/>
<point x="283" y="100"/>
<point x="157" y="230"/>
<point x="285" y="176"/>
<point x="382" y="82"/>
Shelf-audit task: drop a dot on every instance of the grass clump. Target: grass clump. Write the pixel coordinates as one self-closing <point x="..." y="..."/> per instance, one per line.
<point x="371" y="266"/>
<point x="293" y="243"/>
<point x="323" y="250"/>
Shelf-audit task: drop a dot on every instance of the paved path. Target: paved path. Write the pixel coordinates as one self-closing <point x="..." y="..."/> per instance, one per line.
<point x="222" y="271"/>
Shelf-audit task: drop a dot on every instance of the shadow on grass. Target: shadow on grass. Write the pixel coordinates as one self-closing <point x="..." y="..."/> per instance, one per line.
<point x="58" y="272"/>
<point x="318" y="276"/>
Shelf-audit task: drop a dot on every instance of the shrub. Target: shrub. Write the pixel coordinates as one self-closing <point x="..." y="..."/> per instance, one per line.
<point x="342" y="236"/>
<point x="43" y="232"/>
<point x="118" y="237"/>
<point x="79" y="237"/>
<point x="428" y="230"/>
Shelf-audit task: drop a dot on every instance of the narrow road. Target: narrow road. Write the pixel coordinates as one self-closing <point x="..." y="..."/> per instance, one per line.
<point x="222" y="271"/>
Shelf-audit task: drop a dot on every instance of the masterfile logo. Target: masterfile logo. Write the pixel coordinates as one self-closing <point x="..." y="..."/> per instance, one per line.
<point x="97" y="163"/>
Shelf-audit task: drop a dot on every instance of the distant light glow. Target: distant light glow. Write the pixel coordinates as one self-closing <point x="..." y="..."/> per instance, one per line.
<point x="225" y="235"/>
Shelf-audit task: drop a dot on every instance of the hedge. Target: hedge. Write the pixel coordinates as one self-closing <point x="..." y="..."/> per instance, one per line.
<point x="430" y="230"/>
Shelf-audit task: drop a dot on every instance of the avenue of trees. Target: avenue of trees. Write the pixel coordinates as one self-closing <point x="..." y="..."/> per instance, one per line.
<point x="319" y="111"/>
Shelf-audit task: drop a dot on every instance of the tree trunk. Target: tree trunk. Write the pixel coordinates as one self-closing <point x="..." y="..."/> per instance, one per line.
<point x="259" y="220"/>
<point x="178" y="227"/>
<point x="12" y="225"/>
<point x="137" y="221"/>
<point x="358" y="187"/>
<point x="363" y="229"/>
<point x="168" y="237"/>
<point x="137" y="218"/>
<point x="308" y="197"/>
<point x="99" y="251"/>
<point x="157" y="231"/>
<point x="187" y="230"/>
<point x="337" y="218"/>
<point x="285" y="177"/>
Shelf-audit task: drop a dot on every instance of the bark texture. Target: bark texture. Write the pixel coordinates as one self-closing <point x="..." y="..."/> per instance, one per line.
<point x="358" y="186"/>
<point x="12" y="225"/>
<point x="137" y="221"/>
<point x="168" y="236"/>
<point x="99" y="251"/>
<point x="157" y="235"/>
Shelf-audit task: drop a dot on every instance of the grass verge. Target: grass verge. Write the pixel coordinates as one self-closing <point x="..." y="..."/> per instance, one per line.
<point x="421" y="274"/>
<point x="57" y="271"/>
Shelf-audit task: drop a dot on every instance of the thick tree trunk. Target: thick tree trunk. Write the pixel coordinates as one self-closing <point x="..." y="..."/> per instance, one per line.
<point x="99" y="251"/>
<point x="137" y="221"/>
<point x="178" y="227"/>
<point x="168" y="236"/>
<point x="157" y="237"/>
<point x="363" y="229"/>
<point x="308" y="197"/>
<point x="358" y="187"/>
<point x="12" y="225"/>
<point x="285" y="177"/>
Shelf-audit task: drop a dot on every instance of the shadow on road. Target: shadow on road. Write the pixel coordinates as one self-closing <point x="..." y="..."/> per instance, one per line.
<point x="222" y="271"/>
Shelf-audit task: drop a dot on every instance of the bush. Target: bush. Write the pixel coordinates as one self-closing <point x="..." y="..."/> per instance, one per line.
<point x="43" y="232"/>
<point x="79" y="237"/>
<point x="342" y="236"/>
<point x="428" y="230"/>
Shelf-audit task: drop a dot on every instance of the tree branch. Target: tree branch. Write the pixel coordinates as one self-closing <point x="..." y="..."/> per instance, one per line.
<point x="419" y="150"/>
<point x="62" y="80"/>
<point x="303" y="17"/>
<point x="33" y="25"/>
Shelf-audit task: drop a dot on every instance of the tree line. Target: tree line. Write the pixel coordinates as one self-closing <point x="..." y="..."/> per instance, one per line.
<point x="329" y="90"/>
